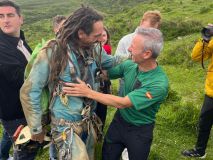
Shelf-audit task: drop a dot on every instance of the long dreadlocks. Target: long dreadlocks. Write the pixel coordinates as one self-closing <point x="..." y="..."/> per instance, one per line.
<point x="83" y="18"/>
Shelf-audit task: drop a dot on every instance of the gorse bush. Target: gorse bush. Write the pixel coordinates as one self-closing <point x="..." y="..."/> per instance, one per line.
<point x="205" y="9"/>
<point x="178" y="52"/>
<point x="120" y="26"/>
<point x="172" y="96"/>
<point x="167" y="9"/>
<point x="174" y="29"/>
<point x="45" y="32"/>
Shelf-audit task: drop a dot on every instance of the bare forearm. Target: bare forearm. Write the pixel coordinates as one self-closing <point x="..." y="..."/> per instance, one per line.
<point x="82" y="90"/>
<point x="110" y="100"/>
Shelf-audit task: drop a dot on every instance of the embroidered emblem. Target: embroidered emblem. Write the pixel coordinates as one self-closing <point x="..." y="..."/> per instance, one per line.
<point x="64" y="135"/>
<point x="148" y="95"/>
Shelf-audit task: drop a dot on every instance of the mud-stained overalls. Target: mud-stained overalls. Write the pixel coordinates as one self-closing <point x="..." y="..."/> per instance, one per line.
<point x="74" y="125"/>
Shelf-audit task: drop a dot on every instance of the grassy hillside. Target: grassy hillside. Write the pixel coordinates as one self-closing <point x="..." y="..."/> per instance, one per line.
<point x="38" y="13"/>
<point x="176" y="124"/>
<point x="38" y="16"/>
<point x="180" y="18"/>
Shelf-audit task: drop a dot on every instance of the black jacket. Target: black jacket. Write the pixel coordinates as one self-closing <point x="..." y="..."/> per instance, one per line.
<point x="12" y="66"/>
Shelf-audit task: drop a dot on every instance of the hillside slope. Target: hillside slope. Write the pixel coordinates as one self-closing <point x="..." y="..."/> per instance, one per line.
<point x="176" y="123"/>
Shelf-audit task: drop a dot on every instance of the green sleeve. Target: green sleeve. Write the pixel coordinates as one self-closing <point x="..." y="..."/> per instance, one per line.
<point x="146" y="97"/>
<point x="119" y="70"/>
<point x="107" y="61"/>
<point x="115" y="72"/>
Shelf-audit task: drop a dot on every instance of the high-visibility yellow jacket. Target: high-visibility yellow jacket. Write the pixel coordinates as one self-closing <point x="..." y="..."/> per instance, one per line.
<point x="197" y="56"/>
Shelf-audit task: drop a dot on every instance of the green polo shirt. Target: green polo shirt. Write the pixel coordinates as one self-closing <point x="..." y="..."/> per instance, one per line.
<point x="146" y="90"/>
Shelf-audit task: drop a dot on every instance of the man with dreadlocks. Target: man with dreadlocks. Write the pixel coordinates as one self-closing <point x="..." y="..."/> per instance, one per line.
<point x="75" y="53"/>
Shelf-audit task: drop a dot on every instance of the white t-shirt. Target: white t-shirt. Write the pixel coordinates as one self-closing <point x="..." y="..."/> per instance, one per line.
<point x="124" y="44"/>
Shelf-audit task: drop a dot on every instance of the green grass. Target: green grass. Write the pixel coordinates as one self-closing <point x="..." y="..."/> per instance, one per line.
<point x="172" y="134"/>
<point x="179" y="18"/>
<point x="169" y="142"/>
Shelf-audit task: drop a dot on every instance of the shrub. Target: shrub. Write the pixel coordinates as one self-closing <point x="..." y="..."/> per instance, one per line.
<point x="204" y="10"/>
<point x="178" y="52"/>
<point x="172" y="96"/>
<point x="167" y="9"/>
<point x="174" y="29"/>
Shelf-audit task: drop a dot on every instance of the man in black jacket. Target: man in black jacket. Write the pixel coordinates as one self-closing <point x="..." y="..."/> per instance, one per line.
<point x="14" y="55"/>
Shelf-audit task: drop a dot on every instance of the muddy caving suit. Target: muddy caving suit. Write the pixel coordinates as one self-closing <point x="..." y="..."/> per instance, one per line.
<point x="73" y="122"/>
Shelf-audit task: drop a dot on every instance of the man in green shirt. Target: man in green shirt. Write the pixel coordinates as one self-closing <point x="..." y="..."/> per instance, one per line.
<point x="146" y="86"/>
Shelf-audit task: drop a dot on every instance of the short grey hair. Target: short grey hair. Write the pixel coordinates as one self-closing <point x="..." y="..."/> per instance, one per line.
<point x="153" y="40"/>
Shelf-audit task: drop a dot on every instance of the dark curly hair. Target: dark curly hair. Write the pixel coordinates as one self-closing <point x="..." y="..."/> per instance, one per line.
<point x="81" y="19"/>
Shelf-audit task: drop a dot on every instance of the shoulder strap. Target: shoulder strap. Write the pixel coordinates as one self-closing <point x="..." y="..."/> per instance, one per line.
<point x="73" y="74"/>
<point x="95" y="54"/>
<point x="72" y="66"/>
<point x="202" y="55"/>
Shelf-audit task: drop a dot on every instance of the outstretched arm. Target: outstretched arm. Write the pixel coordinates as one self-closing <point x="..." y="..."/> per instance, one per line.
<point x="81" y="89"/>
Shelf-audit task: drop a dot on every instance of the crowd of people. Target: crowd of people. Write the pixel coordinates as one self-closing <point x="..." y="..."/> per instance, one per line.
<point x="75" y="69"/>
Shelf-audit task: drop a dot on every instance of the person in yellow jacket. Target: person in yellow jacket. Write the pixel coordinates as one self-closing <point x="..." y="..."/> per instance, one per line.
<point x="203" y="50"/>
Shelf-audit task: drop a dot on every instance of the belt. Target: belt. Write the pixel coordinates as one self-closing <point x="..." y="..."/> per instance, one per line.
<point x="77" y="126"/>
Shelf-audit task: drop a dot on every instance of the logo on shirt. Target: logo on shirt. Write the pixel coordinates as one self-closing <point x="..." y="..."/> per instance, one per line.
<point x="148" y="95"/>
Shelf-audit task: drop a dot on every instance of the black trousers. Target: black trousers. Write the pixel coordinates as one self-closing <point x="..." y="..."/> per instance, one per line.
<point x="205" y="124"/>
<point x="120" y="135"/>
<point x="101" y="109"/>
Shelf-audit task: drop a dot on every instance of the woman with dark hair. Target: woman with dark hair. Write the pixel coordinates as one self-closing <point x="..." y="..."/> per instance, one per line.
<point x="106" y="41"/>
<point x="105" y="85"/>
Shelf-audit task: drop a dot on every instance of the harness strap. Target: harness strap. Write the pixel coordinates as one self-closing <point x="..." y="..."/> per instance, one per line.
<point x="84" y="75"/>
<point x="65" y="152"/>
<point x="71" y="65"/>
<point x="63" y="122"/>
<point x="202" y="55"/>
<point x="58" y="92"/>
<point x="78" y="127"/>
